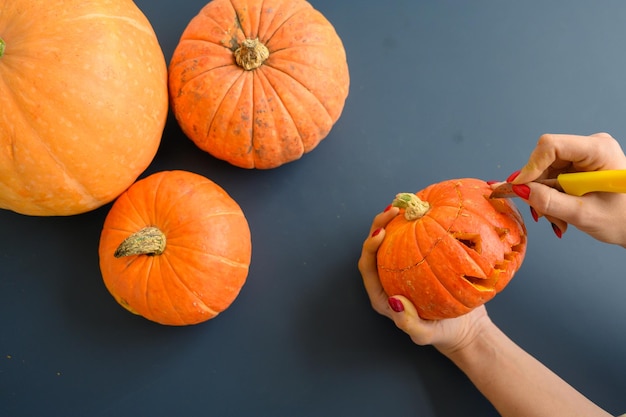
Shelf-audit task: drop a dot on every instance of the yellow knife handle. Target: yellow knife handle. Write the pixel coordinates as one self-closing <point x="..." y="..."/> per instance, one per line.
<point x="581" y="183"/>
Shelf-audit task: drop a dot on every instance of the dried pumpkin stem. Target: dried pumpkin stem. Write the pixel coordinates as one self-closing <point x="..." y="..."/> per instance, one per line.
<point x="3" y="45"/>
<point x="414" y="207"/>
<point x="147" y="241"/>
<point x="251" y="54"/>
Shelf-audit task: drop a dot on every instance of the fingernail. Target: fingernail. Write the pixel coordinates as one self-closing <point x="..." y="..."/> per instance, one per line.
<point x="376" y="232"/>
<point x="396" y="305"/>
<point x="513" y="176"/>
<point x="388" y="208"/>
<point x="522" y="190"/>
<point x="533" y="213"/>
<point x="491" y="182"/>
<point x="557" y="231"/>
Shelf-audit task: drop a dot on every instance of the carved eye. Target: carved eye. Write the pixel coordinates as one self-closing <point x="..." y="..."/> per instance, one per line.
<point x="470" y="240"/>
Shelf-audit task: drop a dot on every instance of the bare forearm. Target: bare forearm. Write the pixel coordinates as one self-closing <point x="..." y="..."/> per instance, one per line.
<point x="516" y="383"/>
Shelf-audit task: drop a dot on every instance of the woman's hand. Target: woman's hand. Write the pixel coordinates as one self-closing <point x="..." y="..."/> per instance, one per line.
<point x="448" y="335"/>
<point x="512" y="380"/>
<point x="601" y="215"/>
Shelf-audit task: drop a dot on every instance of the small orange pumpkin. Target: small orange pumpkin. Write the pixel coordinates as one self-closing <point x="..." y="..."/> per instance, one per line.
<point x="175" y="248"/>
<point x="258" y="83"/>
<point x="83" y="93"/>
<point x="451" y="248"/>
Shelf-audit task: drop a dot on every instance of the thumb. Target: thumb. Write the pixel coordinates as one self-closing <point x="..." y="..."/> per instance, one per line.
<point x="405" y="316"/>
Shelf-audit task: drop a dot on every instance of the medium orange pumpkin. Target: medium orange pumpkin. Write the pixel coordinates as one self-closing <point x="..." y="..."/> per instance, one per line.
<point x="451" y="248"/>
<point x="258" y="83"/>
<point x="175" y="248"/>
<point x="83" y="92"/>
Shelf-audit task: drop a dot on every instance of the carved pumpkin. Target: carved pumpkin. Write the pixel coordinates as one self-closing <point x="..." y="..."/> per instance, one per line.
<point x="258" y="83"/>
<point x="83" y="93"/>
<point x="451" y="248"/>
<point x="175" y="248"/>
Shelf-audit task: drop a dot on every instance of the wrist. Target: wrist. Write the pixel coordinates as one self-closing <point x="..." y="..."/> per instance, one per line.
<point x="471" y="340"/>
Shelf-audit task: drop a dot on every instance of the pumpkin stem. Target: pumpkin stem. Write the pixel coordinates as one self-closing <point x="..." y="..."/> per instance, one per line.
<point x="251" y="54"/>
<point x="147" y="241"/>
<point x="2" y="47"/>
<point x="415" y="208"/>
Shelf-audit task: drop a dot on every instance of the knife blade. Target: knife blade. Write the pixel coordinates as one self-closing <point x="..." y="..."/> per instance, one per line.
<point x="573" y="183"/>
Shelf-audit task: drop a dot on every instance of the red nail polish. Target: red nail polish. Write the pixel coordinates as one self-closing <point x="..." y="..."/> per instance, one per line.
<point x="376" y="232"/>
<point x="491" y="182"/>
<point x="533" y="213"/>
<point x="396" y="305"/>
<point x="388" y="208"/>
<point x="512" y="176"/>
<point x="557" y="231"/>
<point x="522" y="190"/>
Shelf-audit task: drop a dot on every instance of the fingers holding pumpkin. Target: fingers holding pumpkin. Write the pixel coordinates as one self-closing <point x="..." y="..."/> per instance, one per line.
<point x="367" y="262"/>
<point x="440" y="333"/>
<point x="405" y="316"/>
<point x="382" y="219"/>
<point x="447" y="335"/>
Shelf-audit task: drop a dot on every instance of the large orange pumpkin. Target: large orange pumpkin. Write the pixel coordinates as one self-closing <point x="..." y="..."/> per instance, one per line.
<point x="175" y="248"/>
<point x="451" y="248"/>
<point x="83" y="93"/>
<point x="258" y="83"/>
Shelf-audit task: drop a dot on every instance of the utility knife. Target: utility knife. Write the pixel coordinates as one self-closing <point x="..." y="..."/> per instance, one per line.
<point x="574" y="183"/>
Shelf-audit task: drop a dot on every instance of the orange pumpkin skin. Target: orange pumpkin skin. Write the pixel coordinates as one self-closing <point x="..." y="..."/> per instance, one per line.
<point x="83" y="92"/>
<point x="272" y="114"/>
<point x="207" y="250"/>
<point x="459" y="255"/>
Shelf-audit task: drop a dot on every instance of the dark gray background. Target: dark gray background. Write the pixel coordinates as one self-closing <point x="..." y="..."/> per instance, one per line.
<point x="439" y="90"/>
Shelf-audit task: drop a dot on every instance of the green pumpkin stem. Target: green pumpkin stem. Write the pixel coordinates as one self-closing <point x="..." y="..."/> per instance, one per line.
<point x="147" y="241"/>
<point x="251" y="54"/>
<point x="2" y="47"/>
<point x="414" y="207"/>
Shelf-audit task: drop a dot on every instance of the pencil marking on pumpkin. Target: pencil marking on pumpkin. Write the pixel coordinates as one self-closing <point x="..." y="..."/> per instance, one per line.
<point x="438" y="240"/>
